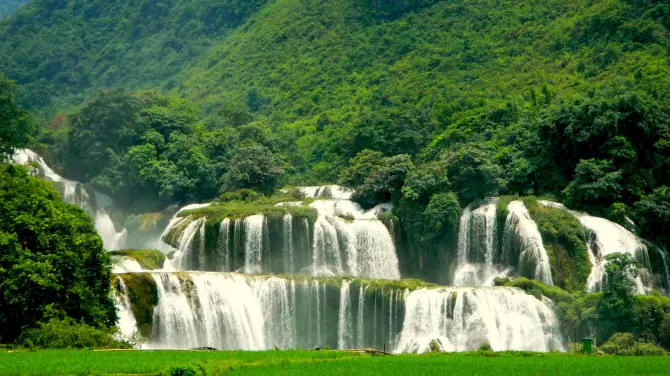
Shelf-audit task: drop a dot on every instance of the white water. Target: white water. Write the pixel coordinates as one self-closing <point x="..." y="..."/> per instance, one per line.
<point x="345" y="331"/>
<point x="125" y="264"/>
<point x="327" y="191"/>
<point x="604" y="238"/>
<point x="127" y="324"/>
<point x="477" y="247"/>
<point x="351" y="241"/>
<point x="255" y="228"/>
<point x="232" y="311"/>
<point x="77" y="194"/>
<point x="193" y="228"/>
<point x="287" y="234"/>
<point x="521" y="233"/>
<point x="223" y="246"/>
<point x="460" y="319"/>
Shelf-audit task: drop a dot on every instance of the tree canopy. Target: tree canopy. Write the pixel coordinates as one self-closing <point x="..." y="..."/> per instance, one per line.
<point x="52" y="264"/>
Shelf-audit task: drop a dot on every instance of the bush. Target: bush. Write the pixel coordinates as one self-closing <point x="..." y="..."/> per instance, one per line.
<point x="244" y="194"/>
<point x="185" y="370"/>
<point x="67" y="333"/>
<point x="626" y="344"/>
<point x="485" y="346"/>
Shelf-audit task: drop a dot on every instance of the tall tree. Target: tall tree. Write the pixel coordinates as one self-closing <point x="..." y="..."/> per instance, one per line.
<point x="15" y="125"/>
<point x="52" y="264"/>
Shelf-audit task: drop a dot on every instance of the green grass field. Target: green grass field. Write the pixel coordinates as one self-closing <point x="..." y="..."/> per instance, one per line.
<point x="71" y="362"/>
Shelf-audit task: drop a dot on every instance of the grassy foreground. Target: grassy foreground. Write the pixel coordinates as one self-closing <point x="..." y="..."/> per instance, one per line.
<point x="72" y="362"/>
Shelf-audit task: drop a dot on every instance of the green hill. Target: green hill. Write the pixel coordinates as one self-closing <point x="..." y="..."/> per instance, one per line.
<point x="8" y="7"/>
<point x="562" y="98"/>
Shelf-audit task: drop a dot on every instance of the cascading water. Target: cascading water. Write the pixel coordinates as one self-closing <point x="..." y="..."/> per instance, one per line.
<point x="233" y="311"/>
<point x="349" y="240"/>
<point x="460" y="319"/>
<point x="522" y="236"/>
<point x="606" y="237"/>
<point x="124" y="264"/>
<point x="255" y="228"/>
<point x="477" y="247"/>
<point x="127" y="324"/>
<point x="288" y="243"/>
<point x="75" y="193"/>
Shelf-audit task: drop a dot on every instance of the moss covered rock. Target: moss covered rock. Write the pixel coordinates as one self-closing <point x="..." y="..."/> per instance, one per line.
<point x="148" y="259"/>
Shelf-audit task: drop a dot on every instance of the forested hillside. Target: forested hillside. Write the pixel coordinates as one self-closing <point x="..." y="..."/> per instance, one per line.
<point x="8" y="7"/>
<point x="560" y="98"/>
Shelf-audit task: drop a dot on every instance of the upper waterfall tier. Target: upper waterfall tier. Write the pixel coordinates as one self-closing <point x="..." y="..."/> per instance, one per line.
<point x="485" y="252"/>
<point x="233" y="311"/>
<point x="326" y="237"/>
<point x="97" y="205"/>
<point x="606" y="237"/>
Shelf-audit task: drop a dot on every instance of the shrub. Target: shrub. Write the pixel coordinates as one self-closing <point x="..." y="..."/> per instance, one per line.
<point x="244" y="194"/>
<point x="185" y="370"/>
<point x="67" y="333"/>
<point x="626" y="344"/>
<point x="485" y="346"/>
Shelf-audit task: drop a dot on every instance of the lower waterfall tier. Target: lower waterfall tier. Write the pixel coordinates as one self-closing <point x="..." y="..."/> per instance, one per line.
<point x="234" y="311"/>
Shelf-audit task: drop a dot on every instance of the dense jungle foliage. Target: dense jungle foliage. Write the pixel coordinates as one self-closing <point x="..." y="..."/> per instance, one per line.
<point x="429" y="104"/>
<point x="465" y="100"/>
<point x="9" y="6"/>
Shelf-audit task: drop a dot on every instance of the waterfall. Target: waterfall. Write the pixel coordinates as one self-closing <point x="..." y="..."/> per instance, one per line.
<point x="604" y="238"/>
<point x="182" y="258"/>
<point x="125" y="264"/>
<point x="127" y="324"/>
<point x="464" y="235"/>
<point x="666" y="269"/>
<point x="174" y="323"/>
<point x="477" y="245"/>
<point x="507" y="318"/>
<point x="288" y="243"/>
<point x="360" y="327"/>
<point x="522" y="236"/>
<point x="349" y="240"/>
<point x="327" y="191"/>
<point x="77" y="194"/>
<point x="223" y="246"/>
<point x="277" y="303"/>
<point x="344" y="333"/>
<point x="254" y="227"/>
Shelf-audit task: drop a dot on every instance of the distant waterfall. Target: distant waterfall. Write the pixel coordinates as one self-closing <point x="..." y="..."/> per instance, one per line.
<point x="522" y="236"/>
<point x="95" y="204"/>
<point x="343" y="240"/>
<point x="460" y="319"/>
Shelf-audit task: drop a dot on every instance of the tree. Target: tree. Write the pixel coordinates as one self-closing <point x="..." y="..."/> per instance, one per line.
<point x="254" y="167"/>
<point x="360" y="167"/>
<point x="653" y="215"/>
<point x="596" y="183"/>
<point x="617" y="306"/>
<point x="384" y="182"/>
<point x="52" y="264"/>
<point x="473" y="173"/>
<point x="15" y="125"/>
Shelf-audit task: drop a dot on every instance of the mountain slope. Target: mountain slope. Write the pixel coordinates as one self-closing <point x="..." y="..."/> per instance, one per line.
<point x="8" y="7"/>
<point x="62" y="50"/>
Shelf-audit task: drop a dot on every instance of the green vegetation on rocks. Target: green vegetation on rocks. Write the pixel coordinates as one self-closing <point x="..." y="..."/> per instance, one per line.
<point x="564" y="238"/>
<point x="149" y="259"/>
<point x="143" y="295"/>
